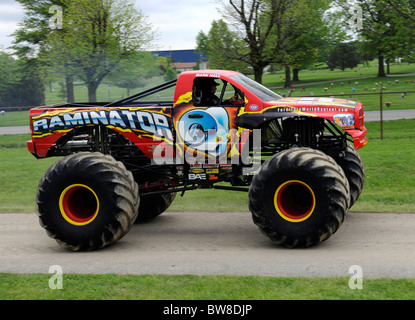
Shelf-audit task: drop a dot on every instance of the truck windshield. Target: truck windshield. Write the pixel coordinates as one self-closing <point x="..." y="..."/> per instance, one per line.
<point x="259" y="90"/>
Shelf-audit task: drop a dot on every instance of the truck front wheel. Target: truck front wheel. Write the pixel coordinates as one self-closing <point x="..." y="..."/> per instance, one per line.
<point x="299" y="197"/>
<point x="87" y="201"/>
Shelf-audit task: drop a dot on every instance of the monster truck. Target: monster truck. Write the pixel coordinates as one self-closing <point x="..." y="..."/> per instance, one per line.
<point x="124" y="162"/>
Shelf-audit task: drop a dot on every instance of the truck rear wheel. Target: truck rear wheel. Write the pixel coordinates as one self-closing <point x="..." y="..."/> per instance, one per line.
<point x="299" y="197"/>
<point x="354" y="170"/>
<point x="152" y="206"/>
<point x="87" y="201"/>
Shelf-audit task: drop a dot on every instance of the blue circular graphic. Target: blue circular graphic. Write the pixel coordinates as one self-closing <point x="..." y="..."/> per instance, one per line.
<point x="197" y="125"/>
<point x="205" y="130"/>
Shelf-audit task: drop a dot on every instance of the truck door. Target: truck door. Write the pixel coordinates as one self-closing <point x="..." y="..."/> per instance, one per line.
<point x="205" y="126"/>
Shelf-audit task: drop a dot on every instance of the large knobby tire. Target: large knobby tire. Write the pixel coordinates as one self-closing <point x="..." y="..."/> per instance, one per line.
<point x="87" y="201"/>
<point x="299" y="198"/>
<point x="151" y="206"/>
<point x="354" y="169"/>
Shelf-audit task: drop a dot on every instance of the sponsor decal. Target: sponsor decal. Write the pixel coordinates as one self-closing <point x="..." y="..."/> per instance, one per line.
<point x="153" y="123"/>
<point x="213" y="165"/>
<point x="197" y="176"/>
<point x="208" y="75"/>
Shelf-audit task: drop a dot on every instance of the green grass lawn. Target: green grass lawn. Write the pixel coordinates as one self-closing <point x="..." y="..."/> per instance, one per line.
<point x="323" y="73"/>
<point x="339" y="82"/>
<point x="390" y="169"/>
<point x="14" y="119"/>
<point x="371" y="102"/>
<point x="188" y="287"/>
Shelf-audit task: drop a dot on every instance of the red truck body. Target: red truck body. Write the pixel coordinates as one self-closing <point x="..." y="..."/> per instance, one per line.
<point x="139" y="123"/>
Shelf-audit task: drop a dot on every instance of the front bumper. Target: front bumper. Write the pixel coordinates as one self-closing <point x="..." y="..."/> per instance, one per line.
<point x="359" y="137"/>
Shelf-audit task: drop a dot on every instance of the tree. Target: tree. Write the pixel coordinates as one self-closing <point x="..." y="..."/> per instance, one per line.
<point x="132" y="73"/>
<point x="366" y="52"/>
<point x="20" y="84"/>
<point x="223" y="47"/>
<point x="8" y="70"/>
<point x="30" y="37"/>
<point x="300" y="30"/>
<point x="247" y="34"/>
<point x="260" y="32"/>
<point x="97" y="35"/>
<point x="383" y="29"/>
<point x="404" y="8"/>
<point x="344" y="56"/>
<point x="170" y="74"/>
<point x="29" y="90"/>
<point x="34" y="29"/>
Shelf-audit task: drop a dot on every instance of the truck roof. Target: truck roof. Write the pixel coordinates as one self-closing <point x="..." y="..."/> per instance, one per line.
<point x="211" y="73"/>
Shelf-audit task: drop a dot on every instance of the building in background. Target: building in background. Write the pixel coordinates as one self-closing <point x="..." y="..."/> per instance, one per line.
<point x="183" y="60"/>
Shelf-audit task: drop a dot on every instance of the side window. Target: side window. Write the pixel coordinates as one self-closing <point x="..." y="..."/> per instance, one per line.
<point x="205" y="92"/>
<point x="231" y="96"/>
<point x="215" y="92"/>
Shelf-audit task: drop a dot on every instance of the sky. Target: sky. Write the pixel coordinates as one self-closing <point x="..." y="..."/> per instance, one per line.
<point x="177" y="21"/>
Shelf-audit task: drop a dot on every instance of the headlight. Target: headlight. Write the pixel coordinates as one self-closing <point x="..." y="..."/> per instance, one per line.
<point x="344" y="120"/>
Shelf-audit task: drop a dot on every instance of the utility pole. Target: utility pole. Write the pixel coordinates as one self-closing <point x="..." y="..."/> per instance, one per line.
<point x="381" y="111"/>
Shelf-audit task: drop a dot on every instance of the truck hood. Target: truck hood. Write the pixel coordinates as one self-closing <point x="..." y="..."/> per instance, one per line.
<point x="346" y="113"/>
<point x="316" y="101"/>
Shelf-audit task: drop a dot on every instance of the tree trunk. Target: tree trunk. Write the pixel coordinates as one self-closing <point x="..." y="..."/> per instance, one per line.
<point x="287" y="76"/>
<point x="388" y="67"/>
<point x="92" y="92"/>
<point x="70" y="93"/>
<point x="381" y="72"/>
<point x="258" y="73"/>
<point x="296" y="73"/>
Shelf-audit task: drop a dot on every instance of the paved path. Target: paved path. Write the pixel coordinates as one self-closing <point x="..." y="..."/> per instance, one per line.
<point x="371" y="116"/>
<point x="14" y="130"/>
<point x="218" y="243"/>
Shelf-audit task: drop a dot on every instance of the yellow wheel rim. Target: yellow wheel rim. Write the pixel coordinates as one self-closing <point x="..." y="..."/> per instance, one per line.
<point x="79" y="204"/>
<point x="294" y="201"/>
